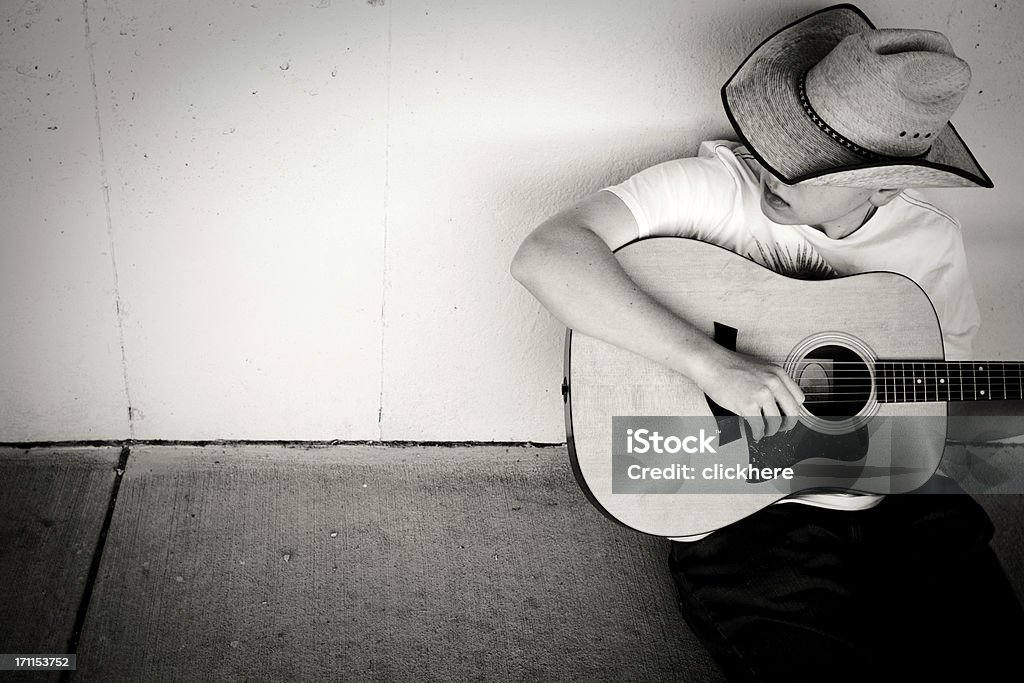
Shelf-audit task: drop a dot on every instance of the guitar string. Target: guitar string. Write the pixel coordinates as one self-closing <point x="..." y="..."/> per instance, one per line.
<point x="911" y="382"/>
<point x="906" y="363"/>
<point x="859" y="389"/>
<point x="929" y="378"/>
<point x="906" y="399"/>
<point x="912" y="392"/>
<point x="952" y="364"/>
<point x="901" y="379"/>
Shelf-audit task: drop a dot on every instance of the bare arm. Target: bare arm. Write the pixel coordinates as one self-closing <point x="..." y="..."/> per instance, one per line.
<point x="568" y="264"/>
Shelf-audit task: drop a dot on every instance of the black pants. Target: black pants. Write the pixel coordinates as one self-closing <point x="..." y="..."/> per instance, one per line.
<point x="910" y="587"/>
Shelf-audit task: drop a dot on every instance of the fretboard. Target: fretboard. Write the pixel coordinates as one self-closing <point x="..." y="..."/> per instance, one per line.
<point x="916" y="381"/>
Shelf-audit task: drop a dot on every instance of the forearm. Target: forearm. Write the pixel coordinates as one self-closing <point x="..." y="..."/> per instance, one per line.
<point x="573" y="273"/>
<point x="569" y="265"/>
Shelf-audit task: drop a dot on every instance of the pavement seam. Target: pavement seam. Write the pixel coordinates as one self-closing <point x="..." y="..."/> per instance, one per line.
<point x="97" y="556"/>
<point x="286" y="443"/>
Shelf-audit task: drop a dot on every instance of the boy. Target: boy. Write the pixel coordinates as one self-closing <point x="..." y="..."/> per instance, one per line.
<point x="836" y="120"/>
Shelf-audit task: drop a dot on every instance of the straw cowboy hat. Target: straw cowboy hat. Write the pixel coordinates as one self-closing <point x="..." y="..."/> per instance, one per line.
<point x="831" y="100"/>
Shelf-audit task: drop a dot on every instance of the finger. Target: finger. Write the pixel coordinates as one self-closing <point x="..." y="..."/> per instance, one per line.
<point x="788" y="422"/>
<point x="788" y="400"/>
<point x="791" y="386"/>
<point x="772" y="418"/>
<point x="756" y="424"/>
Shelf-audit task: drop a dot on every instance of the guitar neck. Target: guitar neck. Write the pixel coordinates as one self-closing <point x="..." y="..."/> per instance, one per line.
<point x="917" y="381"/>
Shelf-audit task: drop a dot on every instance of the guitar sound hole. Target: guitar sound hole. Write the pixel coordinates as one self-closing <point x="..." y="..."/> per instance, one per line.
<point x="836" y="382"/>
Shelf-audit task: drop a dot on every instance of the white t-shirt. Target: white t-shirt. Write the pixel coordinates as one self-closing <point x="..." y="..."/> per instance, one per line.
<point x="716" y="197"/>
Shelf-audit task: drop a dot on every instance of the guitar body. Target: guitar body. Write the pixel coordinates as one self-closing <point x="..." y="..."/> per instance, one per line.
<point x="863" y="317"/>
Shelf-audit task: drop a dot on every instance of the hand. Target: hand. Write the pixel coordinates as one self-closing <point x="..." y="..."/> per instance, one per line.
<point x="760" y="392"/>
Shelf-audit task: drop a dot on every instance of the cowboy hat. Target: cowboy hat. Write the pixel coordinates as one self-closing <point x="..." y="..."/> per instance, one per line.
<point x="831" y="100"/>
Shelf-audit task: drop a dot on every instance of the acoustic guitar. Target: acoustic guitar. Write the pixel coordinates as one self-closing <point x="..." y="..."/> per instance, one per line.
<point x="653" y="452"/>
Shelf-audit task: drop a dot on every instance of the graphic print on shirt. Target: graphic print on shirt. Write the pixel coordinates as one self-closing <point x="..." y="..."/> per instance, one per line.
<point x="801" y="261"/>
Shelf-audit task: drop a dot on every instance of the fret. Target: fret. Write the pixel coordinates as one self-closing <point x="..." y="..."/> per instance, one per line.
<point x="942" y="381"/>
<point x="894" y="393"/>
<point x="890" y="390"/>
<point x="1013" y="387"/>
<point x="982" y="386"/>
<point x="920" y="391"/>
<point x="899" y="384"/>
<point x="890" y="382"/>
<point x="930" y="385"/>
<point x="997" y="375"/>
<point x="954" y="381"/>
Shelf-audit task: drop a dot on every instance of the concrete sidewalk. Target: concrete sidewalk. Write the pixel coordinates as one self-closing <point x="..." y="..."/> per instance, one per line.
<point x="326" y="564"/>
<point x="342" y="563"/>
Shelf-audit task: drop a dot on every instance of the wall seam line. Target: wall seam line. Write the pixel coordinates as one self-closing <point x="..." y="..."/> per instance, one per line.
<point x="104" y="179"/>
<point x="384" y="240"/>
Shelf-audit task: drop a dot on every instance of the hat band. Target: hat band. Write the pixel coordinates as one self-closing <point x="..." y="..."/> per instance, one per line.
<point x="837" y="136"/>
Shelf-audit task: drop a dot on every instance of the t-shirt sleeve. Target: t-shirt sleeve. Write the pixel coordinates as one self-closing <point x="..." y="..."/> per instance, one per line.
<point x="680" y="198"/>
<point x="956" y="307"/>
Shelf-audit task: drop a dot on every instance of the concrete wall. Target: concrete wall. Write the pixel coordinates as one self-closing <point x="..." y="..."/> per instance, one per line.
<point x="273" y="219"/>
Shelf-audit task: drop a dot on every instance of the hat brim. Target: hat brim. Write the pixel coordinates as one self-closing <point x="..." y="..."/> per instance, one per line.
<point x="762" y="102"/>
